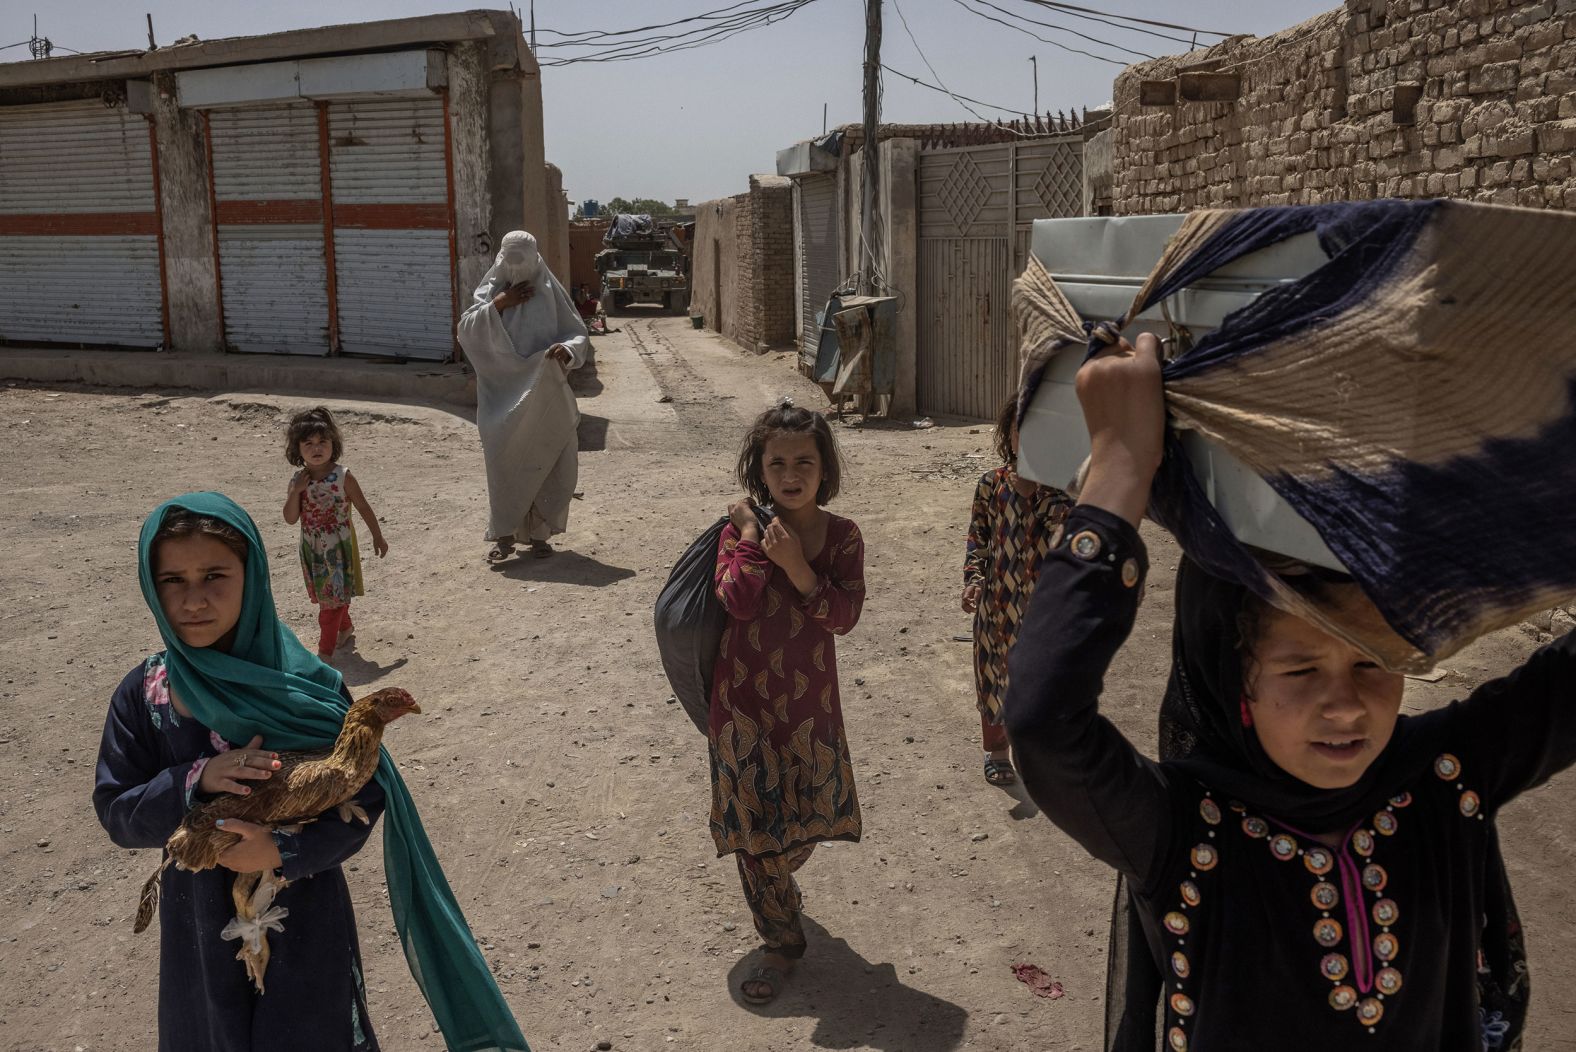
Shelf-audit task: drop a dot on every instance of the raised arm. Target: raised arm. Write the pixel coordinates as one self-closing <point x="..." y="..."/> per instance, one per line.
<point x="298" y="484"/>
<point x="1518" y="731"/>
<point x="742" y="567"/>
<point x="839" y="596"/>
<point x="1077" y="766"/>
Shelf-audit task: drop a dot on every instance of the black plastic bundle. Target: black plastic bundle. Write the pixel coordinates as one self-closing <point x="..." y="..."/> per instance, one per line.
<point x="689" y="621"/>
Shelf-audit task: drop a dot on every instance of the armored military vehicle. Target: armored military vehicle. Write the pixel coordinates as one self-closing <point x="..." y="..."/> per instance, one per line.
<point x="643" y="263"/>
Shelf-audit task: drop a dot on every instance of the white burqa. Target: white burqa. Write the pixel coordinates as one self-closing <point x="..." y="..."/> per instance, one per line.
<point x="525" y="410"/>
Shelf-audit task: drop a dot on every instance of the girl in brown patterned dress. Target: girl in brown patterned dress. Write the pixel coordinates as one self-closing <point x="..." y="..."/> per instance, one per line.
<point x="781" y="777"/>
<point x="1009" y="534"/>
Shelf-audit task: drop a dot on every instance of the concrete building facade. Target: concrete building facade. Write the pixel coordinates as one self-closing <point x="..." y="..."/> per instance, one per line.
<point x="1472" y="99"/>
<point x="328" y="191"/>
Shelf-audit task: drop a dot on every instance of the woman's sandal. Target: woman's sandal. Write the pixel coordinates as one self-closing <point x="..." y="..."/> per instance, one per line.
<point x="767" y="976"/>
<point x="541" y="549"/>
<point x="999" y="772"/>
<point x="499" y="552"/>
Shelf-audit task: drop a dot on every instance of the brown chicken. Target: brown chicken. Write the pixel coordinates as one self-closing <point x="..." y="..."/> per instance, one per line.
<point x="306" y="785"/>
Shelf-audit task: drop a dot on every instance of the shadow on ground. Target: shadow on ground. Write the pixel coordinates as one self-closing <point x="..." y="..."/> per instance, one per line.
<point x="584" y="381"/>
<point x="360" y="672"/>
<point x="856" y="1003"/>
<point x="1024" y="807"/>
<point x="592" y="433"/>
<point x="563" y="567"/>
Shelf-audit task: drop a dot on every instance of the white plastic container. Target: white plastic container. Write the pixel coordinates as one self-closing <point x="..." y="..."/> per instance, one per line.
<point x="1100" y="263"/>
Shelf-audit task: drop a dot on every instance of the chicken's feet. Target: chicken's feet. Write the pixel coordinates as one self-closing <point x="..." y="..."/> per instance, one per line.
<point x="255" y="917"/>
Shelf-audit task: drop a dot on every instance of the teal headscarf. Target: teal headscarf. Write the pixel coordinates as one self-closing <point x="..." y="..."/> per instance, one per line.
<point x="270" y="684"/>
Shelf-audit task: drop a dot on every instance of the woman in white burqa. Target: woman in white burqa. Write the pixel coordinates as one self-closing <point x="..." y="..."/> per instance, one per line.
<point x="522" y="335"/>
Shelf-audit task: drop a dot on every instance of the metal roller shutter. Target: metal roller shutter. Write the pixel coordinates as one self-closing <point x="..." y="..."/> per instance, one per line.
<point x="268" y="215"/>
<point x="393" y="261"/>
<point x="819" y="272"/>
<point x="79" y="227"/>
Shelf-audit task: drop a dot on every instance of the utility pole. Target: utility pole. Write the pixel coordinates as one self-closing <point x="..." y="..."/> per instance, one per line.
<point x="533" y="28"/>
<point x="151" y="45"/>
<point x="1035" y="62"/>
<point x="869" y="197"/>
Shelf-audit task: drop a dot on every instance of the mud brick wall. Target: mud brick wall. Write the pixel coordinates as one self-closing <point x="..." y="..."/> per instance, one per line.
<point x="714" y="259"/>
<point x="746" y="313"/>
<point x="742" y="274"/>
<point x="769" y="271"/>
<point x="1472" y="99"/>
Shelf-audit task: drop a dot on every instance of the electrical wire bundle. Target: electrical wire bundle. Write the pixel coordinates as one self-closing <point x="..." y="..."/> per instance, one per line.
<point x="622" y="45"/>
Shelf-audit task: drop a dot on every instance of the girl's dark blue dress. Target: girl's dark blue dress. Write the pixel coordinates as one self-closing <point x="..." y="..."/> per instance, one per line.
<point x="148" y="766"/>
<point x="1374" y="937"/>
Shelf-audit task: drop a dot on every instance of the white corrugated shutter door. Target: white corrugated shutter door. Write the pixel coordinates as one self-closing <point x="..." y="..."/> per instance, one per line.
<point x="394" y="278"/>
<point x="818" y="274"/>
<point x="79" y="231"/>
<point x="269" y="194"/>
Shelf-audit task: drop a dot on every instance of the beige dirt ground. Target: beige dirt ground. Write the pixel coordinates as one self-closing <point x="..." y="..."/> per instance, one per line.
<point x="566" y="795"/>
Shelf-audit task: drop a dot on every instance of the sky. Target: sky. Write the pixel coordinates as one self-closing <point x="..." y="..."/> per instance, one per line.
<point x="696" y="124"/>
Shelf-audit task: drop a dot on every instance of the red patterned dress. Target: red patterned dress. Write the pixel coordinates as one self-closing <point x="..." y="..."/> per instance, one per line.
<point x="781" y="776"/>
<point x="1009" y="535"/>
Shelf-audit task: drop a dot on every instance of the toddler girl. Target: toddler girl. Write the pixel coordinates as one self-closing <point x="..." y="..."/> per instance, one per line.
<point x="320" y="497"/>
<point x="780" y="773"/>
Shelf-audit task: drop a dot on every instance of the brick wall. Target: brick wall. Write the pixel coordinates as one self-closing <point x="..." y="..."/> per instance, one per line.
<point x="1473" y="99"/>
<point x="585" y="241"/>
<point x="746" y="270"/>
<point x="771" y="232"/>
<point x="743" y="271"/>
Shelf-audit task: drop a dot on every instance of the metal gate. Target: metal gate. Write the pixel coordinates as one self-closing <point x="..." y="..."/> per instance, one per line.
<point x="267" y="188"/>
<point x="815" y="231"/>
<point x="976" y="207"/>
<point x="393" y="248"/>
<point x="80" y="247"/>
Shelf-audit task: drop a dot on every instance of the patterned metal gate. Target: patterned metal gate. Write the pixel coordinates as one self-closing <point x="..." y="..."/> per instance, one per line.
<point x="976" y="207"/>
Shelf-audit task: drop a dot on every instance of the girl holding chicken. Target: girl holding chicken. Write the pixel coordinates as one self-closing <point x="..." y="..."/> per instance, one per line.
<point x="202" y="717"/>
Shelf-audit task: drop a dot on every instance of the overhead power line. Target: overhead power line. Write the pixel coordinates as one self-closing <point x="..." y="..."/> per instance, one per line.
<point x="587" y="33"/>
<point x="962" y="100"/>
<point x="942" y="86"/>
<point x="1124" y="27"/>
<point x="1046" y="40"/>
<point x="1088" y="11"/>
<point x="955" y="95"/>
<point x="1063" y="29"/>
<point x="709" y="27"/>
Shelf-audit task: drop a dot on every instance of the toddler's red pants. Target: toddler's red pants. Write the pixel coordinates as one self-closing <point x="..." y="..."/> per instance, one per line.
<point x="332" y="621"/>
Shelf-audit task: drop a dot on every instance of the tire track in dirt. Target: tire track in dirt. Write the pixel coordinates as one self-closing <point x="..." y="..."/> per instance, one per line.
<point x="701" y="411"/>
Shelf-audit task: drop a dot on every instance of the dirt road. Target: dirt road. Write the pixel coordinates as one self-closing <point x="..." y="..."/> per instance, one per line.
<point x="565" y="793"/>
